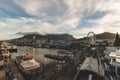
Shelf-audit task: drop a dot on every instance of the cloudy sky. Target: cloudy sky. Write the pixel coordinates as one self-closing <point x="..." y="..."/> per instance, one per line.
<point x="76" y="17"/>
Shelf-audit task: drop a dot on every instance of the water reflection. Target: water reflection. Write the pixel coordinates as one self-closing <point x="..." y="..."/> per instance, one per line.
<point x="37" y="52"/>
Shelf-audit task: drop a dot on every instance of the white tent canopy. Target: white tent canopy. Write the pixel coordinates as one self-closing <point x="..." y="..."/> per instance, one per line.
<point x="90" y="64"/>
<point x="29" y="64"/>
<point x="116" y="63"/>
<point x="111" y="49"/>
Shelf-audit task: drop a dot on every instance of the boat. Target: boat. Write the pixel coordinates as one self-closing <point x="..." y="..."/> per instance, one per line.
<point x="27" y="64"/>
<point x="6" y="54"/>
<point x="56" y="57"/>
<point x="12" y="48"/>
<point x="8" y="46"/>
<point x="4" y="50"/>
<point x="3" y="46"/>
<point x="1" y="60"/>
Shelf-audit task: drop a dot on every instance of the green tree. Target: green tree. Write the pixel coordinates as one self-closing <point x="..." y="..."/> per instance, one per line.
<point x="117" y="40"/>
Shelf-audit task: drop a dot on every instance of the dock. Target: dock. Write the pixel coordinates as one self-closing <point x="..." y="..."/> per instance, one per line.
<point x="10" y="64"/>
<point x="15" y="71"/>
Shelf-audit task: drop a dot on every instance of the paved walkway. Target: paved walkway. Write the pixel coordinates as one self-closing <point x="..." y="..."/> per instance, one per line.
<point x="2" y="75"/>
<point x="69" y="72"/>
<point x="15" y="71"/>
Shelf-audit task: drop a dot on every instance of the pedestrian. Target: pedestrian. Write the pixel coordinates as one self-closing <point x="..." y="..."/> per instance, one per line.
<point x="10" y="76"/>
<point x="7" y="72"/>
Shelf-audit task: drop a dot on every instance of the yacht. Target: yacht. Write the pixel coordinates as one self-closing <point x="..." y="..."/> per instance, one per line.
<point x="27" y="64"/>
<point x="1" y="61"/>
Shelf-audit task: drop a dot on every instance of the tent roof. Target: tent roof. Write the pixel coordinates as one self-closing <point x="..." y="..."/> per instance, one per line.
<point x="29" y="64"/>
<point x="90" y="64"/>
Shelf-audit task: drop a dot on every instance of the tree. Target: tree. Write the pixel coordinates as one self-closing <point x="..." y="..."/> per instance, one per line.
<point x="117" y="40"/>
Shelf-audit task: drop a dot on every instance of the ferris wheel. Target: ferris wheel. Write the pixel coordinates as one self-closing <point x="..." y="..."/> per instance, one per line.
<point x="91" y="38"/>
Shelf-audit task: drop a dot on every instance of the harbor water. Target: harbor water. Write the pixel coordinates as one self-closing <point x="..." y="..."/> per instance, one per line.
<point x="37" y="52"/>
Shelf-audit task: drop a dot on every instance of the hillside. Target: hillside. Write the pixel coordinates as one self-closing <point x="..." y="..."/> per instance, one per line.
<point x="32" y="36"/>
<point x="106" y="35"/>
<point x="65" y="37"/>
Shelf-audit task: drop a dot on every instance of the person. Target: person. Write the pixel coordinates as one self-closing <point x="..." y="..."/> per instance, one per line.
<point x="10" y="76"/>
<point x="7" y="72"/>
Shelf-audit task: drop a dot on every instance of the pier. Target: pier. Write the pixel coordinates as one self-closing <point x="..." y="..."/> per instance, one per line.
<point x="9" y="64"/>
<point x="65" y="65"/>
<point x="15" y="70"/>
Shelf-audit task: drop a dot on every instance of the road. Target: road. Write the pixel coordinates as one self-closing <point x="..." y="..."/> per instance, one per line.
<point x="68" y="72"/>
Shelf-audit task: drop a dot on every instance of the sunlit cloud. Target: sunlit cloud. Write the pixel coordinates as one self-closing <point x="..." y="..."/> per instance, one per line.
<point x="76" y="17"/>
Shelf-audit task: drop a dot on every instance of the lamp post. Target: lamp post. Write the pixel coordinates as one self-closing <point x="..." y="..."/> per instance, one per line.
<point x="43" y="68"/>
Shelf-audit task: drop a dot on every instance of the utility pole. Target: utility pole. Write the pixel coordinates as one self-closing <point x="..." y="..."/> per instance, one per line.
<point x="43" y="69"/>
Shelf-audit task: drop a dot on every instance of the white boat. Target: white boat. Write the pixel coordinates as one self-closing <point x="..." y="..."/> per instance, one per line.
<point x="6" y="54"/>
<point x="12" y="48"/>
<point x="8" y="46"/>
<point x="1" y="60"/>
<point x="27" y="64"/>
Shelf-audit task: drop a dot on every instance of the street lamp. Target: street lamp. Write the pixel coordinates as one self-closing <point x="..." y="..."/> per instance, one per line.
<point x="43" y="68"/>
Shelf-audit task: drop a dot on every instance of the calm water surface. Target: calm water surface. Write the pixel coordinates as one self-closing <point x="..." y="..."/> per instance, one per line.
<point x="37" y="52"/>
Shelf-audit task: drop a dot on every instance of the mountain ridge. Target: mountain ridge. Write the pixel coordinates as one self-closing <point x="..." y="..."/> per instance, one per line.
<point x="64" y="37"/>
<point x="105" y="35"/>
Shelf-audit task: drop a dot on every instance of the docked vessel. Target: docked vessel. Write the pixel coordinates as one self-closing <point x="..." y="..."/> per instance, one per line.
<point x="3" y="46"/>
<point x="27" y="64"/>
<point x="4" y="50"/>
<point x="56" y="57"/>
<point x="1" y="61"/>
<point x="12" y="48"/>
<point x="8" y="46"/>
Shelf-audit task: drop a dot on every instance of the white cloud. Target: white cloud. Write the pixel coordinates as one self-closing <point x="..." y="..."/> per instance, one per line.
<point x="61" y="16"/>
<point x="78" y="33"/>
<point x="2" y="24"/>
<point x="32" y="7"/>
<point x="109" y="23"/>
<point x="15" y="25"/>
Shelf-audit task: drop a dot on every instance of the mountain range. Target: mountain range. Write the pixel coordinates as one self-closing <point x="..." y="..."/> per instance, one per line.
<point x="55" y="37"/>
<point x="105" y="35"/>
<point x="64" y="37"/>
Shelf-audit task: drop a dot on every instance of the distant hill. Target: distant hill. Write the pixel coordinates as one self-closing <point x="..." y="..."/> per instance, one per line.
<point x="65" y="37"/>
<point x="31" y="36"/>
<point x="106" y="35"/>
